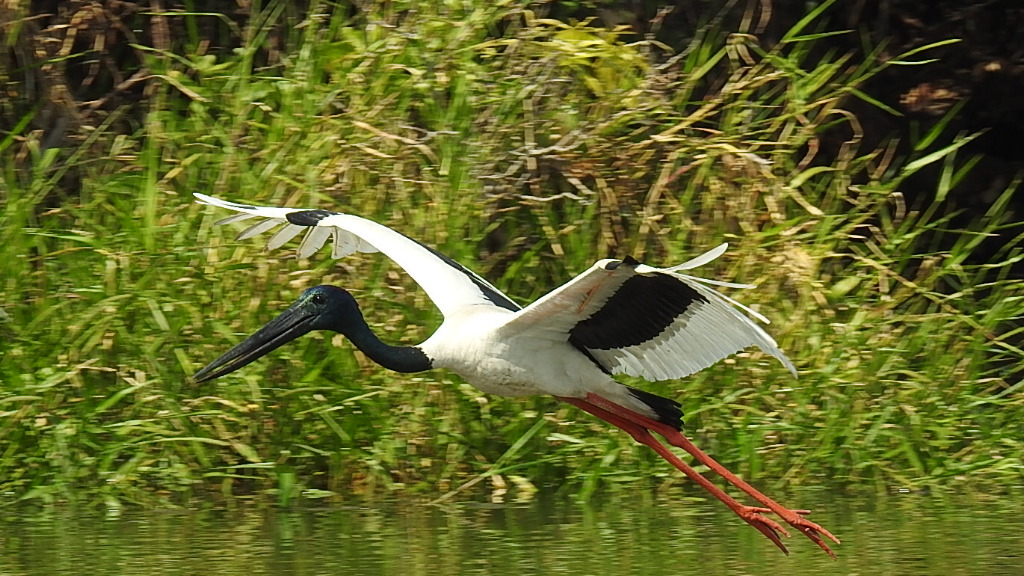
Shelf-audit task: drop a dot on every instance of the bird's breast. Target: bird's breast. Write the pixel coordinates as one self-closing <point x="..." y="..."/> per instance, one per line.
<point x="520" y="366"/>
<point x="501" y="368"/>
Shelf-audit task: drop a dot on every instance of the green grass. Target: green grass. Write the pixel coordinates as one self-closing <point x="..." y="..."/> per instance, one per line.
<point x="526" y="149"/>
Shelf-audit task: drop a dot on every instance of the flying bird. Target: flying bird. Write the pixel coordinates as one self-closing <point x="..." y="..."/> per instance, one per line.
<point x="618" y="317"/>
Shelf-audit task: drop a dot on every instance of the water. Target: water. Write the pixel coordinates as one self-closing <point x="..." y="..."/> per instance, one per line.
<point x="626" y="534"/>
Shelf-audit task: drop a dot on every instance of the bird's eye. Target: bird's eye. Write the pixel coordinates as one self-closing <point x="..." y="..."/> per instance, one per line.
<point x="318" y="298"/>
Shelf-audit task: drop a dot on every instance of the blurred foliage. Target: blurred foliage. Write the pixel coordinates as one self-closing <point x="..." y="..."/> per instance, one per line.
<point x="525" y="147"/>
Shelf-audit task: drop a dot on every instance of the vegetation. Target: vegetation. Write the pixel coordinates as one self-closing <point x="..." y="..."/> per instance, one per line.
<point x="526" y="148"/>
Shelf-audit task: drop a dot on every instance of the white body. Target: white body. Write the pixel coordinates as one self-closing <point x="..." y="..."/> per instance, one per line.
<point x="471" y="343"/>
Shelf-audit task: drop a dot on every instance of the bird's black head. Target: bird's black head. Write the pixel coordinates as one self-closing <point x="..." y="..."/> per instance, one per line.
<point x="318" y="308"/>
<point x="329" y="307"/>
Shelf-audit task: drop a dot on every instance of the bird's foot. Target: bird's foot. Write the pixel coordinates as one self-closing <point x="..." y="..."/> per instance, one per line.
<point x="812" y="530"/>
<point x="770" y="528"/>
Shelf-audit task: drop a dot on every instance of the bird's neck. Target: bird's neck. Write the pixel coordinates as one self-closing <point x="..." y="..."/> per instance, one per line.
<point x="398" y="358"/>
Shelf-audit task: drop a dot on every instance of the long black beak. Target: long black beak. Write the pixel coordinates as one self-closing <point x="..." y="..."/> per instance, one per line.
<point x="292" y="323"/>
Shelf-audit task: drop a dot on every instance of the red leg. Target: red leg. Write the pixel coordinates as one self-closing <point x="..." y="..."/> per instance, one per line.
<point x="637" y="425"/>
<point x="750" y="515"/>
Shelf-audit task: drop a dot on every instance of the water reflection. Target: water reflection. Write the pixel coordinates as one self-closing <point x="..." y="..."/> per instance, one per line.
<point x="627" y="534"/>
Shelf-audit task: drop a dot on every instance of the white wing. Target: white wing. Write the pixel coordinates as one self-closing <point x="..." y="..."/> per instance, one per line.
<point x="650" y="322"/>
<point x="449" y="284"/>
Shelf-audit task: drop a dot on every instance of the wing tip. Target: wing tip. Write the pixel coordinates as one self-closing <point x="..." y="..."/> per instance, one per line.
<point x="213" y="201"/>
<point x="786" y="362"/>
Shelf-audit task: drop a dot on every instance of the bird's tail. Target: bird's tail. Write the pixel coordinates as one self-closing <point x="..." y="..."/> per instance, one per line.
<point x="666" y="410"/>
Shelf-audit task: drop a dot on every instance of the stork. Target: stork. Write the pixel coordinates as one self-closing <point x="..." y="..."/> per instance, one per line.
<point x="618" y="317"/>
